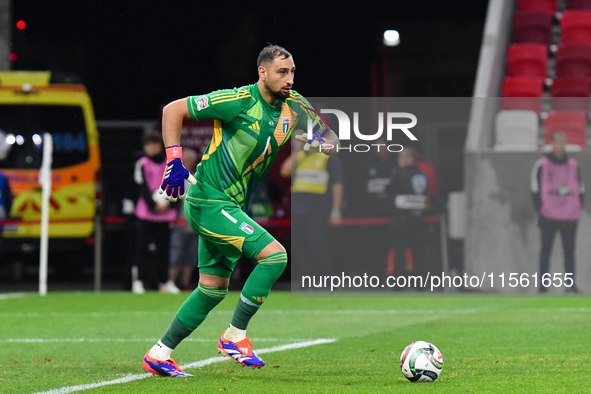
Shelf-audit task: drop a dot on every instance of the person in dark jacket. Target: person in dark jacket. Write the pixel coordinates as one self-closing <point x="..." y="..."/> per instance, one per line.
<point x="409" y="192"/>
<point x="558" y="193"/>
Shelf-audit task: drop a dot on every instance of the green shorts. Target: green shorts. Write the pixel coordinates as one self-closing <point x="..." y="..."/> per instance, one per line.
<point x="226" y="232"/>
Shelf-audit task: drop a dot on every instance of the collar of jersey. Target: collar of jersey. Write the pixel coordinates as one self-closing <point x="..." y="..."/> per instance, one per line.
<point x="270" y="108"/>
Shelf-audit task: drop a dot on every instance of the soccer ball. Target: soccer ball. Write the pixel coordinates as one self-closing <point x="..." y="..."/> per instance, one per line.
<point x="421" y="362"/>
<point x="160" y="199"/>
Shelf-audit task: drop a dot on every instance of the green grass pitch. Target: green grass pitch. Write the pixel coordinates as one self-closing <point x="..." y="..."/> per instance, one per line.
<point x="489" y="345"/>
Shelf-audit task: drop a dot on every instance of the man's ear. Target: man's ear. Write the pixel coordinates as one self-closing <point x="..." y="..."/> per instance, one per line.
<point x="262" y="73"/>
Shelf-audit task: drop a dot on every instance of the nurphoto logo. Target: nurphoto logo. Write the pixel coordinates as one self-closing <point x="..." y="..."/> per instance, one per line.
<point x="344" y="129"/>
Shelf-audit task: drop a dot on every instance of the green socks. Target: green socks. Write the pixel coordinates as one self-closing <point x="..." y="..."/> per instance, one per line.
<point x="192" y="313"/>
<point x="257" y="288"/>
<point x="195" y="308"/>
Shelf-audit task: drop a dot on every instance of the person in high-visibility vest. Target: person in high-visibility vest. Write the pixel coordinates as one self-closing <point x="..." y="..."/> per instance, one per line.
<point x="558" y="193"/>
<point x="316" y="196"/>
<point x="154" y="217"/>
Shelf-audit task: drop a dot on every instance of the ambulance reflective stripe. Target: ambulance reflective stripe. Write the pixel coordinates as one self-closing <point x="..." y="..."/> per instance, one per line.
<point x="311" y="175"/>
<point x="36" y="205"/>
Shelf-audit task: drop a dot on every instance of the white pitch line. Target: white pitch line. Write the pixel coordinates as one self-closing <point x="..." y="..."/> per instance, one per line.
<point x="94" y="340"/>
<point x="308" y="312"/>
<point x="7" y="296"/>
<point x="268" y="312"/>
<point x="297" y="345"/>
<point x="196" y="364"/>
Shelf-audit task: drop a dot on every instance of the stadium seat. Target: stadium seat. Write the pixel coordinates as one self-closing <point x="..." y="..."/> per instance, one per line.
<point x="547" y="6"/>
<point x="578" y="4"/>
<point x="527" y="60"/>
<point x="523" y="93"/>
<point x="570" y="93"/>
<point x="516" y="131"/>
<point x="573" y="61"/>
<point x="574" y="125"/>
<point x="575" y="27"/>
<point x="532" y="27"/>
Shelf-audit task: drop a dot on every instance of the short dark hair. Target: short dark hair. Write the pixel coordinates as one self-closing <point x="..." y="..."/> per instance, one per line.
<point x="272" y="52"/>
<point x="153" y="136"/>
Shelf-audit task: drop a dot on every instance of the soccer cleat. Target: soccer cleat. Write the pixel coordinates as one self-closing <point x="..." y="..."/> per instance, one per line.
<point x="169" y="287"/>
<point x="163" y="368"/>
<point x="241" y="352"/>
<point x="137" y="287"/>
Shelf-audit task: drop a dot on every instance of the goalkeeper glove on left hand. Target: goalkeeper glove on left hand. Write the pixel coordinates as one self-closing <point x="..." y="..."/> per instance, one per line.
<point x="173" y="180"/>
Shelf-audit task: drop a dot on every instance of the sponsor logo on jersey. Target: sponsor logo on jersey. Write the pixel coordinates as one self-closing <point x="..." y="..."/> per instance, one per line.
<point x="246" y="228"/>
<point x="202" y="103"/>
<point x="285" y="126"/>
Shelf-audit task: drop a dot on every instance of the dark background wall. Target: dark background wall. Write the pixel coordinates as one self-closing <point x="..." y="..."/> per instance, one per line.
<point x="134" y="56"/>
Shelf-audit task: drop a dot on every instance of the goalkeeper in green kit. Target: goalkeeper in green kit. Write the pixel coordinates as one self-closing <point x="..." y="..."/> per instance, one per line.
<point x="251" y="124"/>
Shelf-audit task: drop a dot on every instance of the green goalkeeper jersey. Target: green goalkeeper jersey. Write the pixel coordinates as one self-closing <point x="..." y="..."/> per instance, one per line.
<point x="248" y="133"/>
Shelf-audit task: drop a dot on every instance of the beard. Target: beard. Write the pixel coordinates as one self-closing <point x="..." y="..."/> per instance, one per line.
<point x="279" y="94"/>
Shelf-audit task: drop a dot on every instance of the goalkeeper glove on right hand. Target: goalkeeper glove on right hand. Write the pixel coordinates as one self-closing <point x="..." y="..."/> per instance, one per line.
<point x="316" y="144"/>
<point x="173" y="180"/>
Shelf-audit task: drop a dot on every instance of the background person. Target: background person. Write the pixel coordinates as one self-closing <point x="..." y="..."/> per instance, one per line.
<point x="317" y="197"/>
<point x="558" y="194"/>
<point x="154" y="216"/>
<point x="409" y="192"/>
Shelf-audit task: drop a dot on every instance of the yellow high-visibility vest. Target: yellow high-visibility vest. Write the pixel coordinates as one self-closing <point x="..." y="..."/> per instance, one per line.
<point x="311" y="173"/>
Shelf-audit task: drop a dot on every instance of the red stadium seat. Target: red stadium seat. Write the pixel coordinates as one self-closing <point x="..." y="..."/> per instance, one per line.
<point x="573" y="123"/>
<point x="570" y="93"/>
<point x="523" y="93"/>
<point x="527" y="60"/>
<point x="573" y="61"/>
<point x="578" y="4"/>
<point x="532" y="27"/>
<point x="575" y="27"/>
<point x="547" y="6"/>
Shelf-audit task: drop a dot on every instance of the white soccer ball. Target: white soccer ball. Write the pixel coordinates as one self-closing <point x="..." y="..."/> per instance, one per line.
<point x="160" y="199"/>
<point x="421" y="362"/>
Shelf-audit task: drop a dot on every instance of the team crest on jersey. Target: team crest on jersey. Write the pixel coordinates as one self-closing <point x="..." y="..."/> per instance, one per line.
<point x="246" y="228"/>
<point x="285" y="126"/>
<point x="419" y="183"/>
<point x="202" y="103"/>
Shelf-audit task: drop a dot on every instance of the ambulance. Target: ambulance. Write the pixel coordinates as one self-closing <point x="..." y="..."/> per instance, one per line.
<point x="31" y="106"/>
